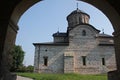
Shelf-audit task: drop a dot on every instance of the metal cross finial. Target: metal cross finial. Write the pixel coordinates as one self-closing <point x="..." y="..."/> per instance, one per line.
<point x="77" y="6"/>
<point x="103" y="31"/>
<point x="58" y="30"/>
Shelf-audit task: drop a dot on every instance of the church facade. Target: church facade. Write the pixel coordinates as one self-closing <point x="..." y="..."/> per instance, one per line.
<point x="81" y="49"/>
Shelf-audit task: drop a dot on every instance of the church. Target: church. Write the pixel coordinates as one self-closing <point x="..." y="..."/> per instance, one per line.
<point x="81" y="49"/>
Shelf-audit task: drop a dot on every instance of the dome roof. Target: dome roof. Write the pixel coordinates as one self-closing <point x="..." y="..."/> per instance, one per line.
<point x="78" y="11"/>
<point x="77" y="17"/>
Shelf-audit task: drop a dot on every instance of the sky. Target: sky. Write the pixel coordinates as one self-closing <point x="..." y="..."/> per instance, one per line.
<point x="44" y="18"/>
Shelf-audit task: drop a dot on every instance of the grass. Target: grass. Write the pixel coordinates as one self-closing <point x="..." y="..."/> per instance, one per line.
<point x="71" y="76"/>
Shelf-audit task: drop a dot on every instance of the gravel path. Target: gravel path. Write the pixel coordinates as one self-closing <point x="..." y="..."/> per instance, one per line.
<point x="23" y="78"/>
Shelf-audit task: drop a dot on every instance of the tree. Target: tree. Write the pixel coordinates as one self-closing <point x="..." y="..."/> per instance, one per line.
<point x="30" y="68"/>
<point x="17" y="57"/>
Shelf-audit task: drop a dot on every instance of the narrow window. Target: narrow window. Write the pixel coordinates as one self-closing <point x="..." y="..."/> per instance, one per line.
<point x="83" y="33"/>
<point x="45" y="60"/>
<point x="86" y="20"/>
<point x="80" y="20"/>
<point x="103" y="61"/>
<point x="84" y="60"/>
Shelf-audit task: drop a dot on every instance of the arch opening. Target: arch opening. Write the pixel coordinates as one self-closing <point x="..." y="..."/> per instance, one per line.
<point x="48" y="21"/>
<point x="113" y="18"/>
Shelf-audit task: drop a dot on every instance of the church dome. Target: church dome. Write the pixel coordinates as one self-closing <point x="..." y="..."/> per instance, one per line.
<point x="78" y="11"/>
<point x="77" y="17"/>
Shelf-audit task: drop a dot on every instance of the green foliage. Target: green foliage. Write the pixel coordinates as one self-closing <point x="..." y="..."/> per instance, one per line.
<point x="30" y="68"/>
<point x="71" y="76"/>
<point x="17" y="57"/>
<point x="21" y="69"/>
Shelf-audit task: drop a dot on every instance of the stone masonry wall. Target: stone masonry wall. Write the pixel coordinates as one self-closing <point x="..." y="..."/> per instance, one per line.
<point x="36" y="58"/>
<point x="83" y="55"/>
<point x="55" y="56"/>
<point x="88" y="47"/>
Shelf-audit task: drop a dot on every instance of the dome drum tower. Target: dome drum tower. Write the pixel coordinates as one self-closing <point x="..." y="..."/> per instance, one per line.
<point x="77" y="17"/>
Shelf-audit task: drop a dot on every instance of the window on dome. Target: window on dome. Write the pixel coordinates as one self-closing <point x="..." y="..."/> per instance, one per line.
<point x="83" y="33"/>
<point x="86" y="19"/>
<point x="80" y="20"/>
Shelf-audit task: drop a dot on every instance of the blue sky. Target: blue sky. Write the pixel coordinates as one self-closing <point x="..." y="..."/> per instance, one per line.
<point x="43" y="19"/>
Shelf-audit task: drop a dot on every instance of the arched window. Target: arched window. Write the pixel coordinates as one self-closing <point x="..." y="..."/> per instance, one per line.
<point x="84" y="60"/>
<point x="103" y="61"/>
<point x="83" y="33"/>
<point x="45" y="60"/>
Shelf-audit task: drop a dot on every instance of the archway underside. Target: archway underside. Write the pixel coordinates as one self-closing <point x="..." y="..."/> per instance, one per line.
<point x="11" y="12"/>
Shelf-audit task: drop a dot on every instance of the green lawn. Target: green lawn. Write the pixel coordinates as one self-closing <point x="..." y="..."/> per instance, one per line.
<point x="63" y="76"/>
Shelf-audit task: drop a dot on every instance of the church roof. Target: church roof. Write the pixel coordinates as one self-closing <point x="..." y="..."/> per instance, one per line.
<point x="78" y="11"/>
<point x="104" y="35"/>
<point x="88" y="25"/>
<point x="53" y="43"/>
<point x="105" y="42"/>
<point x="60" y="34"/>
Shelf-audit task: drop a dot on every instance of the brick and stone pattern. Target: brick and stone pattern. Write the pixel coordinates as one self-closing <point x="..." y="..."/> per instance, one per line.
<point x="69" y="59"/>
<point x="88" y="46"/>
<point x="36" y="58"/>
<point x="55" y="56"/>
<point x="68" y="62"/>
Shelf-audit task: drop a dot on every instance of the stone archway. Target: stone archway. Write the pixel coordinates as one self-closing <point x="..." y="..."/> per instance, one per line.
<point x="12" y="11"/>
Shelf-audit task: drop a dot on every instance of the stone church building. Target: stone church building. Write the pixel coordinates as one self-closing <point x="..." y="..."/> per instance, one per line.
<point x="81" y="49"/>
